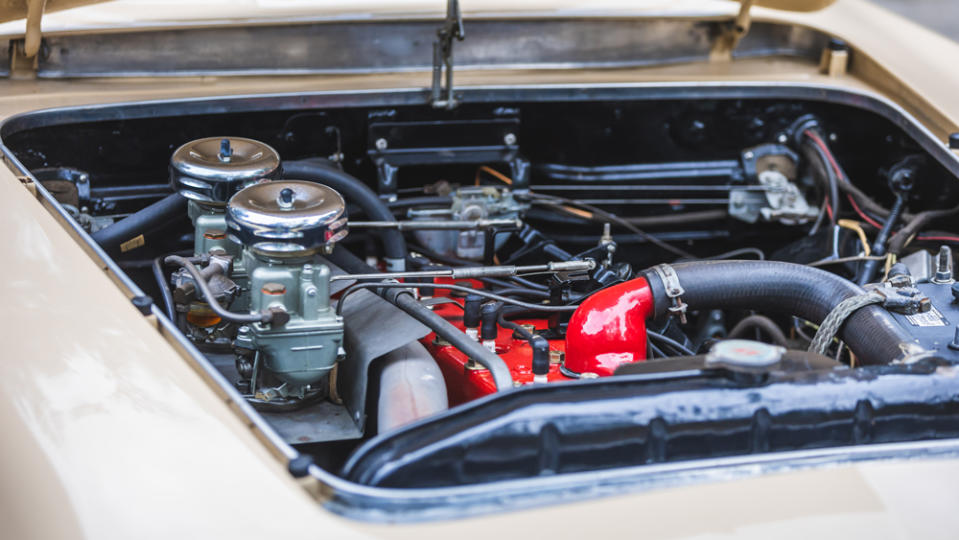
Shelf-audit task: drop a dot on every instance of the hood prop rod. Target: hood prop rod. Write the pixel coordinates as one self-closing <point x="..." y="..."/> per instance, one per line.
<point x="442" y="97"/>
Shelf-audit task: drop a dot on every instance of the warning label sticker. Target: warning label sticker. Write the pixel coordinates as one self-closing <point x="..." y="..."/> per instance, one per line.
<point x="929" y="318"/>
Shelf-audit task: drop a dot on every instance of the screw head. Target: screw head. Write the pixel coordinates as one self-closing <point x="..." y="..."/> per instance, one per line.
<point x="782" y="138"/>
<point x="381" y="144"/>
<point x="509" y="139"/>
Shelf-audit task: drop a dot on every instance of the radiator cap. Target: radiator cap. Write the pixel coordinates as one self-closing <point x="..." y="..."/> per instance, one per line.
<point x="745" y="356"/>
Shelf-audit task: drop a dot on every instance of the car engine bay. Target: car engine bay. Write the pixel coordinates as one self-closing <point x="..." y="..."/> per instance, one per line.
<point x="534" y="283"/>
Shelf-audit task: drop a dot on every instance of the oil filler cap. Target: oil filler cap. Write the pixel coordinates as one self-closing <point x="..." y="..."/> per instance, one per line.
<point x="213" y="169"/>
<point x="744" y="356"/>
<point x="287" y="218"/>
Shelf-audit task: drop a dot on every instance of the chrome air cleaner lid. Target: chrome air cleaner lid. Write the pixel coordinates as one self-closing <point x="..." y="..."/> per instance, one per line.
<point x="287" y="217"/>
<point x="211" y="170"/>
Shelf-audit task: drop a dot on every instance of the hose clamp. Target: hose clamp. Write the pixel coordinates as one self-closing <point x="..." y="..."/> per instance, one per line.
<point x="674" y="290"/>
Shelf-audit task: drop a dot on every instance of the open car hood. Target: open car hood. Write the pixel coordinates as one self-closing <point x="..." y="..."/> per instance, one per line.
<point x="11" y="10"/>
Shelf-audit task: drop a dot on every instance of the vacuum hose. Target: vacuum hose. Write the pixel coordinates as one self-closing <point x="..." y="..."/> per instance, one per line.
<point x="871" y="333"/>
<point x="356" y="192"/>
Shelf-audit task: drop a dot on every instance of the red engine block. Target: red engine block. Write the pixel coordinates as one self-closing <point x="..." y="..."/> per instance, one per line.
<point x="607" y="330"/>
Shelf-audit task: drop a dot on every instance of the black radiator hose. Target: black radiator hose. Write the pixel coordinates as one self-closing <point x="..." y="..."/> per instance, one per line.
<point x="356" y="192"/>
<point x="871" y="333"/>
<point x="142" y="221"/>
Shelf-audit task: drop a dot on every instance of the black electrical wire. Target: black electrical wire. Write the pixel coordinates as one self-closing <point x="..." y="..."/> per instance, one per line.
<point x="675" y="345"/>
<point x="832" y="181"/>
<point x="453" y="261"/>
<point x="916" y="224"/>
<point x="865" y="202"/>
<point x="676" y="218"/>
<point x="522" y="291"/>
<point x="447" y="286"/>
<point x="516" y="328"/>
<point x="657" y="352"/>
<point x="762" y="323"/>
<point x="165" y="293"/>
<point x="600" y="215"/>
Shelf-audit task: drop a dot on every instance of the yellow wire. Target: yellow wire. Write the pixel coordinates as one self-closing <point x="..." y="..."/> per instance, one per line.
<point x="494" y="173"/>
<point x="854" y="226"/>
<point x="890" y="260"/>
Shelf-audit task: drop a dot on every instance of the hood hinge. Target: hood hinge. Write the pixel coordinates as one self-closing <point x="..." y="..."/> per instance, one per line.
<point x="23" y="52"/>
<point x="732" y="32"/>
<point x="440" y="97"/>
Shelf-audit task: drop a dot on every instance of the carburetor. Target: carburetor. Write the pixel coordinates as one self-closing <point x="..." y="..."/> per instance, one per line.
<point x="208" y="172"/>
<point x="282" y="225"/>
<point x="469" y="204"/>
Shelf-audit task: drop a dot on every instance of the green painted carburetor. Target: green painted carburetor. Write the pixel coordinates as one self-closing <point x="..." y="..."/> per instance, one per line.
<point x="282" y="226"/>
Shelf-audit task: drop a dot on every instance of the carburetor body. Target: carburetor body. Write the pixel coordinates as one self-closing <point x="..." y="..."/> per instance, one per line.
<point x="282" y="226"/>
<point x="469" y="204"/>
<point x="208" y="172"/>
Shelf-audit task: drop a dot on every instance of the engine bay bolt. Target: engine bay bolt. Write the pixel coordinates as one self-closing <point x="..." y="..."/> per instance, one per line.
<point x="944" y="265"/>
<point x="782" y="138"/>
<point x="509" y="139"/>
<point x="955" y="340"/>
<point x="381" y="144"/>
<point x="528" y="327"/>
<point x="273" y="288"/>
<point x="954" y="141"/>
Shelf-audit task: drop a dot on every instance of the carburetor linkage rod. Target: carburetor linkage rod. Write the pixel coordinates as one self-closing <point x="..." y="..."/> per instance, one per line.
<point x="475" y="272"/>
<point x="438" y="225"/>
